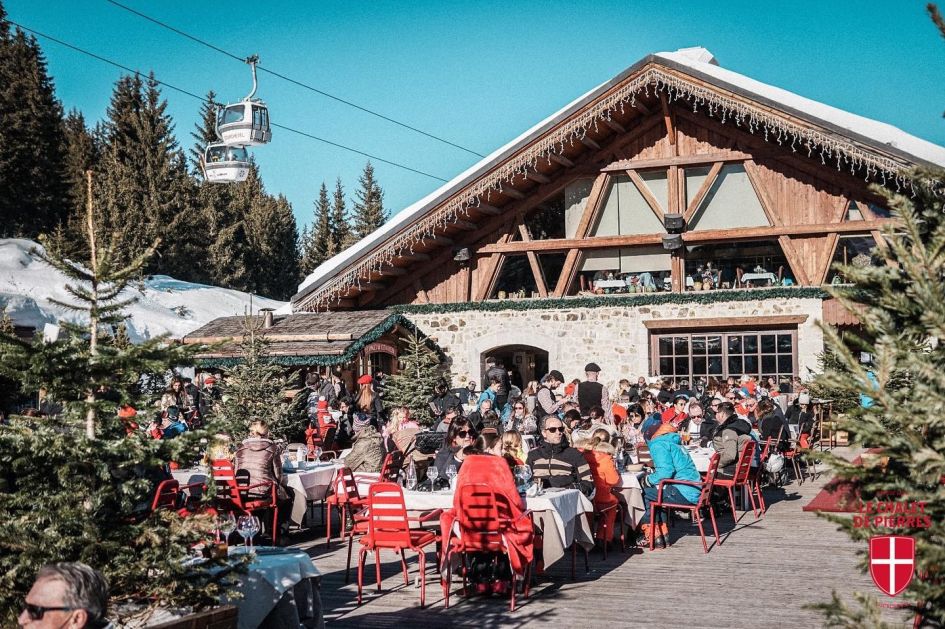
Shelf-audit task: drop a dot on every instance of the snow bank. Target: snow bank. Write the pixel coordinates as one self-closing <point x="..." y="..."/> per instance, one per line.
<point x="165" y="305"/>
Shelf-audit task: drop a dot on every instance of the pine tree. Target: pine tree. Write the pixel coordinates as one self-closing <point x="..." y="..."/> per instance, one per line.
<point x="146" y="191"/>
<point x="82" y="492"/>
<point x="413" y="385"/>
<point x="272" y="240"/>
<point x="35" y="196"/>
<point x="205" y="131"/>
<point x="255" y="389"/>
<point x="317" y="244"/>
<point x="341" y="236"/>
<point x="369" y="211"/>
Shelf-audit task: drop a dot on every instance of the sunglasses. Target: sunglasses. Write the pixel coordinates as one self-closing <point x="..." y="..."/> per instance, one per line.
<point x="462" y="434"/>
<point x="520" y="408"/>
<point x="36" y="612"/>
<point x="554" y="429"/>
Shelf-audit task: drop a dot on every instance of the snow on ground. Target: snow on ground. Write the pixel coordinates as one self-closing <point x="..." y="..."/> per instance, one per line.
<point x="164" y="306"/>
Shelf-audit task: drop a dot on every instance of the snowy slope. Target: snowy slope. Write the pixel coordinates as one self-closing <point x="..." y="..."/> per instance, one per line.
<point x="165" y="305"/>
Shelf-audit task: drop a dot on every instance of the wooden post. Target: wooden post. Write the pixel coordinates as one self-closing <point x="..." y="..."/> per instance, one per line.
<point x="93" y="316"/>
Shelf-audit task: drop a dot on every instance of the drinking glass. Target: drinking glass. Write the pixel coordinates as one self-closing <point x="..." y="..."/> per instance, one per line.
<point x="433" y="474"/>
<point x="226" y="524"/>
<point x="451" y="473"/>
<point x="318" y="454"/>
<point x="247" y="526"/>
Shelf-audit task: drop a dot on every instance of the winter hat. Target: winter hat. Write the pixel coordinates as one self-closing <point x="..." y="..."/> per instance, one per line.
<point x="210" y="380"/>
<point x="650" y="426"/>
<point x="592" y="367"/>
<point x="361" y="421"/>
<point x="365" y="379"/>
<point x="680" y="396"/>
<point x="127" y="412"/>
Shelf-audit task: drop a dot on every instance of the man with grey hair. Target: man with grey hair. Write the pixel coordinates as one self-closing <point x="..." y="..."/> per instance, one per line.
<point x="66" y="596"/>
<point x="555" y="463"/>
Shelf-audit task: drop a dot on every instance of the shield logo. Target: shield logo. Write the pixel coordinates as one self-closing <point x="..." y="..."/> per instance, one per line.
<point x="892" y="562"/>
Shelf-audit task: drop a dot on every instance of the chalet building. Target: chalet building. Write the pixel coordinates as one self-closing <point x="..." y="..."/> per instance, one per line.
<point x="679" y="219"/>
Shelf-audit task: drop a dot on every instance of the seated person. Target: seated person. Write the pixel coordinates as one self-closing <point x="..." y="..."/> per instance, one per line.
<point x="670" y="460"/>
<point x="490" y="572"/>
<point x="694" y="423"/>
<point x="400" y="433"/>
<point x="167" y="425"/>
<point x="262" y="458"/>
<point x="476" y="417"/>
<point x="459" y="436"/>
<point x="520" y="419"/>
<point x="72" y="595"/>
<point x="452" y="414"/>
<point x="676" y="413"/>
<point x="367" y="450"/>
<point x="728" y="439"/>
<point x="491" y="421"/>
<point x="557" y="464"/>
<point x="595" y="420"/>
<point x="513" y="446"/>
<point x="599" y="454"/>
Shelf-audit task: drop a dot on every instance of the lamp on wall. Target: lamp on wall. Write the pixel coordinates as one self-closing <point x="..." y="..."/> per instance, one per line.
<point x="674" y="223"/>
<point x="671" y="242"/>
<point x="462" y="255"/>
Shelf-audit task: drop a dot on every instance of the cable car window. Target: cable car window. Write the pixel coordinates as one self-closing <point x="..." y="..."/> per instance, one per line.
<point x="257" y="118"/>
<point x="265" y="120"/>
<point x="217" y="153"/>
<point x="233" y="114"/>
<point x="238" y="154"/>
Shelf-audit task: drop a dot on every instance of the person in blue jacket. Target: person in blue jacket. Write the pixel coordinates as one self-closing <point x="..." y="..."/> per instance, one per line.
<point x="670" y="460"/>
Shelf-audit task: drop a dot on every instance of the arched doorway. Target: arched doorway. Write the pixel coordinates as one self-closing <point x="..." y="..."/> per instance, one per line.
<point x="525" y="362"/>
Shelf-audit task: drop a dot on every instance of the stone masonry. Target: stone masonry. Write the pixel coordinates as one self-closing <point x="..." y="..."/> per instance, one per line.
<point x="613" y="337"/>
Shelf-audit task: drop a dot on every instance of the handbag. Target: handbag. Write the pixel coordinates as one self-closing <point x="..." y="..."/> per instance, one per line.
<point x="430" y="442"/>
<point x="775" y="463"/>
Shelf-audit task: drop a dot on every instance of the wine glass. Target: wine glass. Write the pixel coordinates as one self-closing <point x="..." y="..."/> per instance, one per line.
<point x="523" y="474"/>
<point x="451" y="473"/>
<point x="247" y="526"/>
<point x="433" y="473"/>
<point x="318" y="454"/>
<point x="226" y="524"/>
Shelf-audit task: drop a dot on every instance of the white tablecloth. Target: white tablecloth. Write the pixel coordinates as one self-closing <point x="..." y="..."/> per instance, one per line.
<point x="631" y="495"/>
<point x="565" y="506"/>
<point x="610" y="284"/>
<point x="754" y="277"/>
<point x="274" y="573"/>
<point x="701" y="456"/>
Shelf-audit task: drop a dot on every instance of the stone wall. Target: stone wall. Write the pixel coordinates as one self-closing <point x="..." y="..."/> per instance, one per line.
<point x="613" y="337"/>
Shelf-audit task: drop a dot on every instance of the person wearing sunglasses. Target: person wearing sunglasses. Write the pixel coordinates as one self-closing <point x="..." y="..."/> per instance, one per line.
<point x="67" y="596"/>
<point x="556" y="463"/>
<point x="460" y="436"/>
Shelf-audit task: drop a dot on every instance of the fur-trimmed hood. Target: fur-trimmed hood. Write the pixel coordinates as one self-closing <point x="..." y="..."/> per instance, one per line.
<point x="603" y="446"/>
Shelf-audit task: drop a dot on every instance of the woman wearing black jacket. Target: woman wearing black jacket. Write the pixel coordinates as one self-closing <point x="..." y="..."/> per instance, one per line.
<point x="772" y="425"/>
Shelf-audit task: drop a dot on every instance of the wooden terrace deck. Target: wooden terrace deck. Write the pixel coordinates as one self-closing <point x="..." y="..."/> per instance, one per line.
<point x="762" y="576"/>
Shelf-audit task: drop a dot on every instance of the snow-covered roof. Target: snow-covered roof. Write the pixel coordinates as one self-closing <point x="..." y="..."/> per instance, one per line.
<point x="695" y="61"/>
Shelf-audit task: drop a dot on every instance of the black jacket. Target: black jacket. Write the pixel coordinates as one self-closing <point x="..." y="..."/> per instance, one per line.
<point x="443" y="459"/>
<point x="560" y="465"/>
<point x="502" y="375"/>
<point x="772" y="426"/>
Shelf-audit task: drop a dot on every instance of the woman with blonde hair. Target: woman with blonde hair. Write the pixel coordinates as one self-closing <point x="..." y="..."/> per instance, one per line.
<point x="513" y="446"/>
<point x="599" y="454"/>
<point x="400" y="430"/>
<point x="368" y="403"/>
<point x="530" y="395"/>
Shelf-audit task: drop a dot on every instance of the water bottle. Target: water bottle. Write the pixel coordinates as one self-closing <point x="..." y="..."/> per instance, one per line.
<point x="301" y="456"/>
<point x="411" y="475"/>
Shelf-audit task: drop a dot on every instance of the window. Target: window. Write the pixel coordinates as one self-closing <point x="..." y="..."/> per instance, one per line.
<point x="629" y="269"/>
<point x="731" y="201"/>
<point x="736" y="264"/>
<point x="548" y="220"/>
<point x="232" y="114"/>
<point x="857" y="251"/>
<point x="515" y="276"/>
<point x="853" y="212"/>
<point x="625" y="211"/>
<point x="381" y="362"/>
<point x="724" y="354"/>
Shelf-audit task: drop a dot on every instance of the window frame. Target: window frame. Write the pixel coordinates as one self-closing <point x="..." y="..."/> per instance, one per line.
<point x="655" y="355"/>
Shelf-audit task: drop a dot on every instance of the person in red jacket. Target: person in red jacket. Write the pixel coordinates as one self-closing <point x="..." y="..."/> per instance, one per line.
<point x="493" y="471"/>
<point x="600" y="456"/>
<point x="676" y="413"/>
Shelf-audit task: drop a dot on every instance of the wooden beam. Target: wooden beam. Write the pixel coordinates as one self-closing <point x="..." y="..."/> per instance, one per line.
<point x="709" y="235"/>
<point x="489" y="271"/>
<point x="668" y="119"/>
<point x="464" y="225"/>
<point x="436" y="241"/>
<point x="421" y="292"/>
<point x="615" y="126"/>
<point x="561" y="160"/>
<point x="703" y="190"/>
<point x="754" y="176"/>
<point x="794" y="260"/>
<point x="681" y="160"/>
<point x="536" y="177"/>
<point x="589" y="143"/>
<point x="484" y="208"/>
<point x="509" y="191"/>
<point x="724" y="322"/>
<point x="647" y="194"/>
<point x="533" y="263"/>
<point x="643" y="108"/>
<point x="591" y="210"/>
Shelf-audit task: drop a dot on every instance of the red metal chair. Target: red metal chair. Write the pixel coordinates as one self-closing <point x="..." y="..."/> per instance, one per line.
<point x="233" y="496"/>
<point x="391" y="467"/>
<point x="741" y="478"/>
<point x="169" y="495"/>
<point x="705" y="500"/>
<point x="758" y="473"/>
<point x="801" y="449"/>
<point x="345" y="498"/>
<point x="388" y="527"/>
<point x="482" y="525"/>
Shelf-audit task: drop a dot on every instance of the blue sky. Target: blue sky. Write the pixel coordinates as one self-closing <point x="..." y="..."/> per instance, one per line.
<point x="477" y="73"/>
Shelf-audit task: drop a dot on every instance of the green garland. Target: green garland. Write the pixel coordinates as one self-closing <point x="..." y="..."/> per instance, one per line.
<point x="369" y="337"/>
<point x="629" y="300"/>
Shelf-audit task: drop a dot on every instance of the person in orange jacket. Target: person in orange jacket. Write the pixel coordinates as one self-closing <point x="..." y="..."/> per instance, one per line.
<point x="599" y="454"/>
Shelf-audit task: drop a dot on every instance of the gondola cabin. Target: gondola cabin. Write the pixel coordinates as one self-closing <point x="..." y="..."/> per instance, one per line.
<point x="245" y="123"/>
<point x="226" y="164"/>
